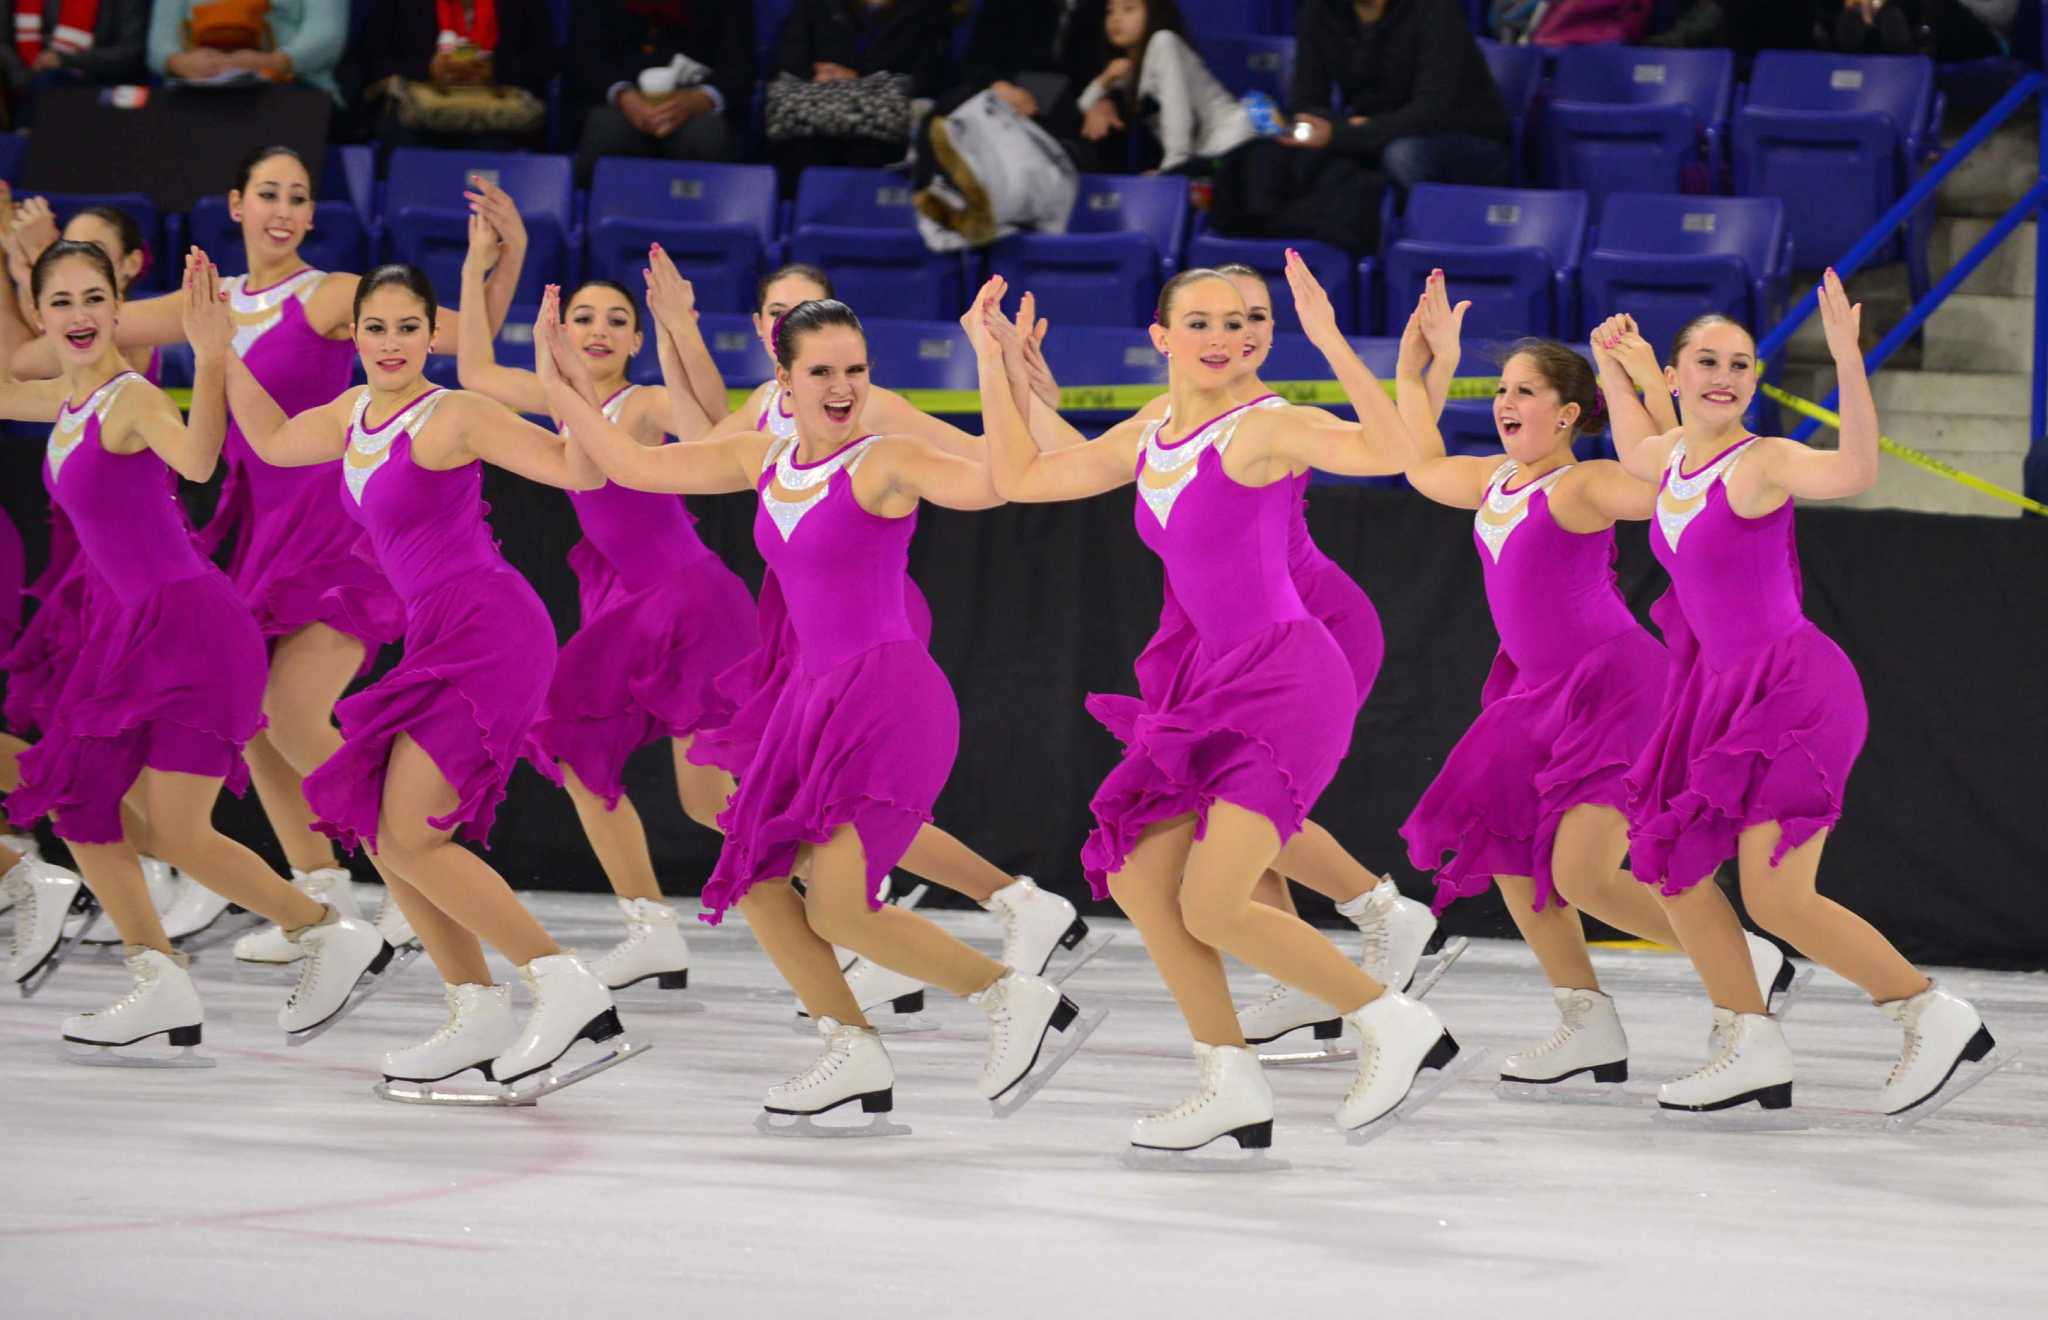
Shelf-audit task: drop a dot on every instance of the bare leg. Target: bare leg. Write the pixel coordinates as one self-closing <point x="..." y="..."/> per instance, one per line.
<point x="1711" y="935"/>
<point x="1553" y="935"/>
<point x="1585" y="865"/>
<point x="281" y="790"/>
<point x="776" y="916"/>
<point x="309" y="670"/>
<point x="1783" y="901"/>
<point x="457" y="955"/>
<point x="617" y="837"/>
<point x="1314" y="858"/>
<point x="937" y="856"/>
<point x="704" y="789"/>
<point x="452" y="878"/>
<point x="1272" y="890"/>
<point x="114" y="874"/>
<point x="1147" y="888"/>
<point x="11" y="749"/>
<point x="180" y="808"/>
<point x="836" y="901"/>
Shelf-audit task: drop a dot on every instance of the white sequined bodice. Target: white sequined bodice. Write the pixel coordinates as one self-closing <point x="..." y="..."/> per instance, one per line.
<point x="813" y="483"/>
<point x="1690" y="491"/>
<point x="1502" y="511"/>
<point x="1182" y="458"/>
<point x="69" y="429"/>
<point x="369" y="450"/>
<point x="256" y="314"/>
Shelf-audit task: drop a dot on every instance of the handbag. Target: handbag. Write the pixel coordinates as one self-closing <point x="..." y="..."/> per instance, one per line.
<point x="876" y="107"/>
<point x="229" y="25"/>
<point x="466" y="108"/>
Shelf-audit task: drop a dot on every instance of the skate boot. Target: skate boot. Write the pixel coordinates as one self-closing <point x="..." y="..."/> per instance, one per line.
<point x="29" y="851"/>
<point x="392" y="925"/>
<point x="1588" y="1039"/>
<point x="853" y="1067"/>
<point x="1777" y="979"/>
<point x="329" y="885"/>
<point x="1023" y="1011"/>
<point x="1232" y="1100"/>
<point x="1285" y="1009"/>
<point x="345" y="961"/>
<point x="875" y="988"/>
<point x="1398" y="1039"/>
<point x="161" y="1003"/>
<point x="1751" y="1062"/>
<point x="654" y="949"/>
<point x="570" y="1005"/>
<point x="480" y="1027"/>
<point x="1396" y="931"/>
<point x="43" y="895"/>
<point x="196" y="909"/>
<point x="165" y="885"/>
<point x="1943" y="1033"/>
<point x="1036" y="925"/>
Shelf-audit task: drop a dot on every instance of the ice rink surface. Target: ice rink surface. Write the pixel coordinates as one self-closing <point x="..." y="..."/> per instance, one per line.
<point x="275" y="1184"/>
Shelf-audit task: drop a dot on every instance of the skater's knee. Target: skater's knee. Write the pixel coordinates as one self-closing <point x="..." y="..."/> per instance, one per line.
<point x="303" y="738"/>
<point x="1779" y="909"/>
<point x="1209" y="914"/>
<point x="837" y="912"/>
<point x="183" y="841"/>
<point x="1143" y="899"/>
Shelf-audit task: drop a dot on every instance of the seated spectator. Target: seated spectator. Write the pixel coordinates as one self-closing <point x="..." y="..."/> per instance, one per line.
<point x="72" y="41"/>
<point x="471" y="73"/>
<point x="1948" y="30"/>
<point x="1156" y="80"/>
<point x="669" y="78"/>
<point x="283" y="41"/>
<point x="847" y="71"/>
<point x="1009" y="53"/>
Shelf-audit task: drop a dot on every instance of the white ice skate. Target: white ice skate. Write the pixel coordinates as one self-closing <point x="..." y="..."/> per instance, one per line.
<point x="162" y="1003"/>
<point x="852" y="1068"/>
<point x="1037" y="925"/>
<point x="197" y="908"/>
<point x="570" y="1006"/>
<point x="1943" y="1033"/>
<point x="1397" y="932"/>
<point x="1751" y="1063"/>
<point x="1285" y="1009"/>
<point x="43" y="895"/>
<point x="480" y="1027"/>
<point x="329" y="885"/>
<point x="345" y="962"/>
<point x="392" y="925"/>
<point x="29" y="850"/>
<point x="1588" y="1040"/>
<point x="1398" y="1040"/>
<point x="875" y="988"/>
<point x="1778" y="979"/>
<point x="653" y="950"/>
<point x="1232" y="1100"/>
<point x="1023" y="1011"/>
<point x="165" y="885"/>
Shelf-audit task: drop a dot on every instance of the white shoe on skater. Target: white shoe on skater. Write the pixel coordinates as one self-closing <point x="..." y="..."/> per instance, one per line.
<point x="1396" y="930"/>
<point x="481" y="1025"/>
<point x="1035" y="925"/>
<point x="875" y="988"/>
<point x="1588" y="1039"/>
<point x="1751" y="1062"/>
<point x="42" y="899"/>
<point x="1942" y="1032"/>
<point x="1022" y="1011"/>
<point x="1285" y="1009"/>
<point x="330" y="885"/>
<point x="853" y="1066"/>
<point x="1231" y="1100"/>
<point x="654" y="949"/>
<point x="1398" y="1037"/>
<point x="195" y="909"/>
<point x="29" y="850"/>
<point x="1774" y="971"/>
<point x="569" y="1004"/>
<point x="393" y="926"/>
<point x="338" y="952"/>
<point x="162" y="1002"/>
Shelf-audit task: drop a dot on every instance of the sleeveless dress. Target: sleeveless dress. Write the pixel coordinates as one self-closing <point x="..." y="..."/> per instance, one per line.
<point x="293" y="555"/>
<point x="752" y="686"/>
<point x="1571" y="699"/>
<point x="865" y="727"/>
<point x="1764" y="715"/>
<point x="662" y="618"/>
<point x="479" y="649"/>
<point x="1246" y="715"/>
<point x="170" y="675"/>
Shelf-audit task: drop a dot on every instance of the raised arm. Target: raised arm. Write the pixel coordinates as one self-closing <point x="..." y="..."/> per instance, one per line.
<point x="318" y="435"/>
<point x="495" y="205"/>
<point x="898" y="471"/>
<point x="1430" y="349"/>
<point x="1643" y="423"/>
<point x="1377" y="443"/>
<point x="699" y="378"/>
<point x="488" y="430"/>
<point x="203" y="315"/>
<point x="1851" y="467"/>
<point x="476" y="353"/>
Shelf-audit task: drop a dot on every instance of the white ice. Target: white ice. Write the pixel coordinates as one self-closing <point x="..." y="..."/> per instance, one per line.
<point x="275" y="1184"/>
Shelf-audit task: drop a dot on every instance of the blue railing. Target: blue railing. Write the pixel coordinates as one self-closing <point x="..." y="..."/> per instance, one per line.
<point x="2030" y="88"/>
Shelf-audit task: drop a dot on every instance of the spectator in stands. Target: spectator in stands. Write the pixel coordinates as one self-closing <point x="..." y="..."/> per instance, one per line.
<point x="1156" y="80"/>
<point x="1009" y="52"/>
<point x="453" y="73"/>
<point x="668" y="78"/>
<point x="71" y="41"/>
<point x="283" y="41"/>
<point x="1943" y="29"/>
<point x="847" y="71"/>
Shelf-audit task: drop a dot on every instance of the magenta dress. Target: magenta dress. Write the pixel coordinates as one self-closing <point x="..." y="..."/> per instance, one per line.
<point x="662" y="618"/>
<point x="751" y="687"/>
<point x="1570" y="701"/>
<point x="865" y="728"/>
<point x="294" y="556"/>
<point x="479" y="648"/>
<point x="170" y="676"/>
<point x="1764" y="714"/>
<point x="1250" y="714"/>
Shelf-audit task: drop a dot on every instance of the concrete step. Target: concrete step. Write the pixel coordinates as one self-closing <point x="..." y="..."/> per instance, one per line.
<point x="1901" y="485"/>
<point x="1886" y="294"/>
<point x="1995" y="175"/>
<point x="1979" y="332"/>
<point x="2007" y="272"/>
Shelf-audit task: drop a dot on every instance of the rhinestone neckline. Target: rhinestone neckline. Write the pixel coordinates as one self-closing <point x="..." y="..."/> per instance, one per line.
<point x="1216" y="434"/>
<point x="1512" y="506"/>
<point x="368" y="450"/>
<point x="68" y="431"/>
<point x="256" y="314"/>
<point x="1683" y="489"/>
<point x="816" y="479"/>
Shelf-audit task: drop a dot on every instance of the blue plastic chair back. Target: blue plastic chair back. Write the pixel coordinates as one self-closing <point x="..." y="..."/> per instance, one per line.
<point x="1225" y="17"/>
<point x="1082" y="356"/>
<point x="1246" y="63"/>
<point x="1513" y="251"/>
<point x="1665" y="260"/>
<point x="716" y="222"/>
<point x="1332" y="266"/>
<point x="1518" y="73"/>
<point x="13" y="146"/>
<point x="1123" y="238"/>
<point x="858" y="225"/>
<point x="1156" y="207"/>
<point x="428" y="221"/>
<point x="1631" y="118"/>
<point x="736" y="349"/>
<point x="920" y="355"/>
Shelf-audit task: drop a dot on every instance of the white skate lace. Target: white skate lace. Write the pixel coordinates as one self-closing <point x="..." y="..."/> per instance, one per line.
<point x="1378" y="937"/>
<point x="1909" y="1054"/>
<point x="1574" y="1015"/>
<point x="1368" y="1065"/>
<point x="1724" y="1040"/>
<point x="309" y="971"/>
<point x="1212" y="1066"/>
<point x="838" y="1050"/>
<point x="449" y="1029"/>
<point x="998" y="1026"/>
<point x="145" y="977"/>
<point x="24" y="919"/>
<point x="637" y="931"/>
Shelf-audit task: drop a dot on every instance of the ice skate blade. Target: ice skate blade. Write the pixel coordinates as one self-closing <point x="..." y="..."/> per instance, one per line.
<point x="125" y="1056"/>
<point x="1145" y="1159"/>
<point x="1574" y="1091"/>
<point x="1743" y="1118"/>
<point x="369" y="983"/>
<point x="805" y="1125"/>
<point x="1329" y="1049"/>
<point x="449" y="1092"/>
<point x="558" y="1075"/>
<point x="1073" y="960"/>
<point x="1043" y="1069"/>
<point x="1959" y="1084"/>
<point x="1432" y="967"/>
<point x="1781" y="1001"/>
<point x="1425" y="1088"/>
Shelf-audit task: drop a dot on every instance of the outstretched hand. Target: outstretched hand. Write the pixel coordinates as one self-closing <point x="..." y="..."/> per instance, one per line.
<point x="484" y="245"/>
<point x="1312" y="304"/>
<point x="1841" y="319"/>
<point x="1031" y="329"/>
<point x="1442" y="324"/>
<point x="553" y="337"/>
<point x="1619" y="340"/>
<point x="550" y="313"/>
<point x="978" y="319"/>
<point x="671" y="298"/>
<point x="207" y="325"/>
<point x="499" y="211"/>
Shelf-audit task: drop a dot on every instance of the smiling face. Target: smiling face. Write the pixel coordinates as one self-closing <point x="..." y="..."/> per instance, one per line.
<point x="782" y="295"/>
<point x="1258" y="319"/>
<point x="77" y="307"/>
<point x="1204" y="332"/>
<point x="392" y="335"/>
<point x="601" y="327"/>
<point x="827" y="382"/>
<point x="276" y="209"/>
<point x="1714" y="374"/>
<point x="107" y="238"/>
<point x="1528" y="414"/>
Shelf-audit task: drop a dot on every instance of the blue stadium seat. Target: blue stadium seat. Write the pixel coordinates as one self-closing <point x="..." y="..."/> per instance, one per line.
<point x="1082" y="356"/>
<point x="1627" y="118"/>
<point x="1295" y="358"/>
<point x="1513" y="251"/>
<point x="920" y="355"/>
<point x="717" y="222"/>
<point x="1244" y="63"/>
<point x="1225" y="17"/>
<point x="338" y="240"/>
<point x="1123" y="238"/>
<point x="1666" y="259"/>
<point x="1268" y="256"/>
<point x="736" y="349"/>
<point x="12" y="147"/>
<point x="427" y="221"/>
<point x="1838" y="139"/>
<point x="1518" y="72"/>
<point x="858" y="226"/>
<point x="164" y="272"/>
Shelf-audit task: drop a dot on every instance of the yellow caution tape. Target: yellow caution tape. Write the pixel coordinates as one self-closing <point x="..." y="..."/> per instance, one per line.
<point x="1808" y="408"/>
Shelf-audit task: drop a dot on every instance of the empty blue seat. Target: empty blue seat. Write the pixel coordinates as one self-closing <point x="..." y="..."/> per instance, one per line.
<point x="427" y="220"/>
<point x="1666" y="259"/>
<point x="1627" y="118"/>
<point x="143" y="211"/>
<point x="1225" y="16"/>
<point x="1294" y="358"/>
<point x="1084" y="356"/>
<point x="1838" y="139"/>
<point x="858" y="226"/>
<point x="1123" y="238"/>
<point x="736" y="349"/>
<point x="921" y="355"/>
<point x="1518" y="72"/>
<point x="1513" y="251"/>
<point x="337" y="241"/>
<point x="1245" y="63"/>
<point x="717" y="222"/>
<point x="1268" y="256"/>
